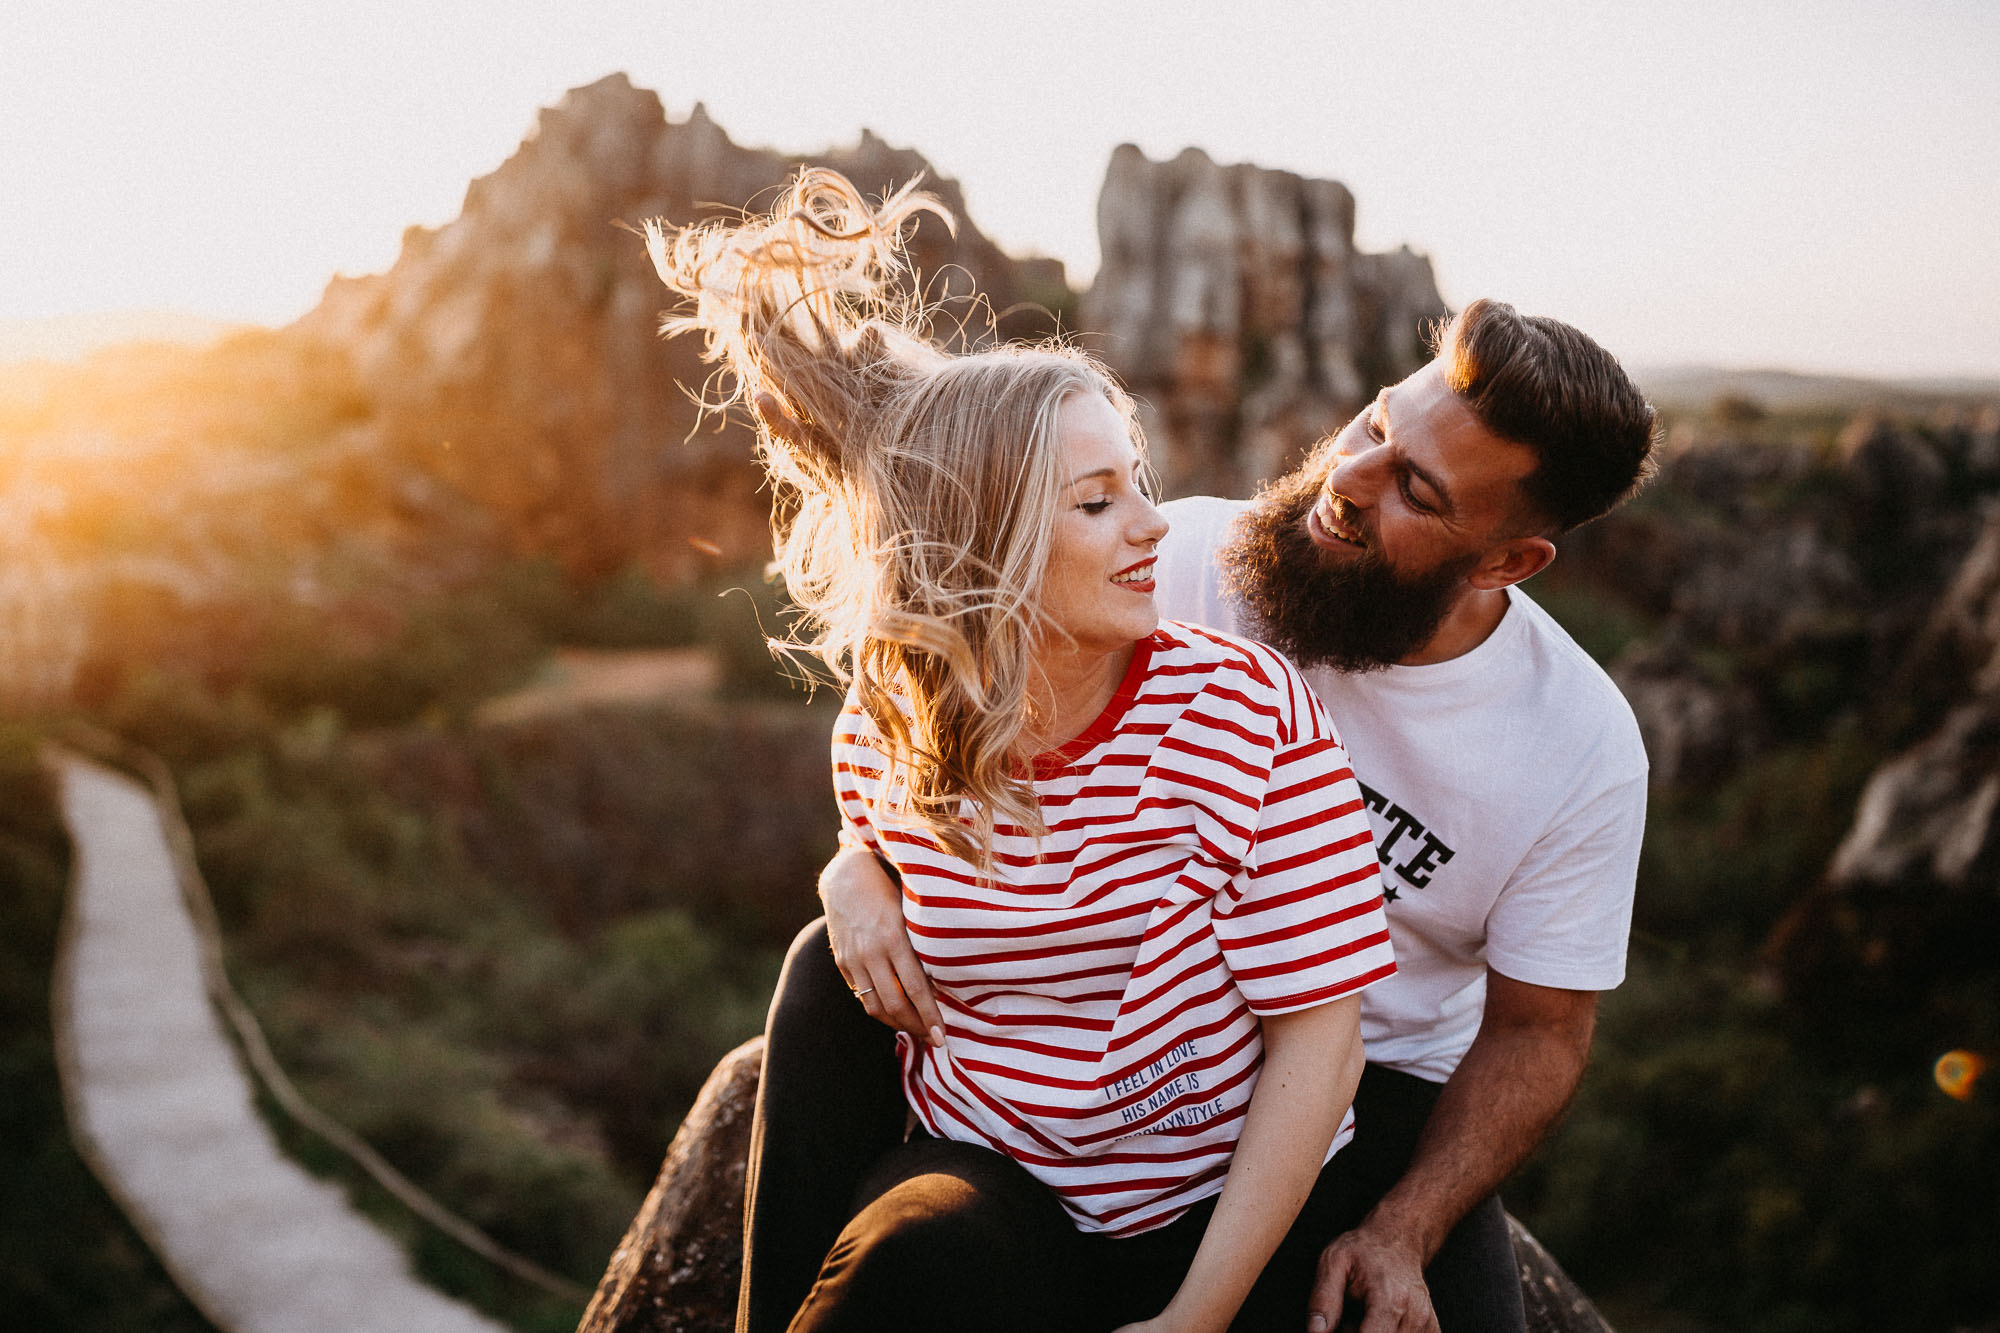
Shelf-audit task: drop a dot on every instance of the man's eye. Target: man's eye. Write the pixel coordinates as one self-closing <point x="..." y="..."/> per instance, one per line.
<point x="1410" y="496"/>
<point x="1373" y="427"/>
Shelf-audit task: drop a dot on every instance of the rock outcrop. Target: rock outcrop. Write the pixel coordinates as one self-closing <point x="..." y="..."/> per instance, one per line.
<point x="676" y="1269"/>
<point x="513" y="354"/>
<point x="502" y="390"/>
<point x="1234" y="304"/>
<point x="1911" y="901"/>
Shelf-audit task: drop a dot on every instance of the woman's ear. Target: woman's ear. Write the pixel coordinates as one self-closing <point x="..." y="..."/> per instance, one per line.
<point x="1507" y="563"/>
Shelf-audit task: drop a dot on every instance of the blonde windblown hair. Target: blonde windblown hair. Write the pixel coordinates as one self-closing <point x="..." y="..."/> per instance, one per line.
<point x="914" y="496"/>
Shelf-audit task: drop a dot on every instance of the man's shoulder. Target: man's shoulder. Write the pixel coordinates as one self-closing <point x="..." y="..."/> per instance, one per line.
<point x="1577" y="696"/>
<point x="1199" y="523"/>
<point x="1190" y="583"/>
<point x="1555" y="653"/>
<point x="1529" y="690"/>
<point x="1199" y="506"/>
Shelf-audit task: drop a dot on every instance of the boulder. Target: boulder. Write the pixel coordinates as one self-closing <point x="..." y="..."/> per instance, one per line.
<point x="676" y="1269"/>
<point x="1697" y="728"/>
<point x="1232" y="301"/>
<point x="513" y="355"/>
<point x="1926" y="819"/>
<point x="1960" y="644"/>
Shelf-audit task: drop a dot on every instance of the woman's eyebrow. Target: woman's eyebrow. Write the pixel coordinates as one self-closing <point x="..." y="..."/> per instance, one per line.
<point x="1093" y="475"/>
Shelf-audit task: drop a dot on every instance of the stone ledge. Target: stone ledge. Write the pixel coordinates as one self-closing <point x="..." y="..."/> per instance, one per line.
<point x="676" y="1269"/>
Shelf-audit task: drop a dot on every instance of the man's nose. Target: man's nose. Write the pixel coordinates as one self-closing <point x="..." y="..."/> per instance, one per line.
<point x="1358" y="475"/>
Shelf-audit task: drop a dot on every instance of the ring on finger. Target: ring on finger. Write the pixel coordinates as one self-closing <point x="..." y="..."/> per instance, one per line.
<point x="865" y="990"/>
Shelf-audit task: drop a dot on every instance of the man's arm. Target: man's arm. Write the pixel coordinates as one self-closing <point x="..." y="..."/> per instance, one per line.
<point x="1506" y="1094"/>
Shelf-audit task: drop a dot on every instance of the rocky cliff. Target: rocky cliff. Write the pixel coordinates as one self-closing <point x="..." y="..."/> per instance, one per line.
<point x="1905" y="920"/>
<point x="1235" y="305"/>
<point x="513" y="354"/>
<point x="1810" y="606"/>
<point x="502" y="389"/>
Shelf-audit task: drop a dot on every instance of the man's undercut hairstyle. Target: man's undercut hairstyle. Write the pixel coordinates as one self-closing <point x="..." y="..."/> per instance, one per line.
<point x="1546" y="385"/>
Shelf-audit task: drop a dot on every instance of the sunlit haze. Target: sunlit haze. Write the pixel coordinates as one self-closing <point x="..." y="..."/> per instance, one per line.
<point x="1809" y="186"/>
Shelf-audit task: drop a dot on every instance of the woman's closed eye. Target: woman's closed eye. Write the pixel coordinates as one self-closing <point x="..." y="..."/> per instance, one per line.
<point x="1095" y="506"/>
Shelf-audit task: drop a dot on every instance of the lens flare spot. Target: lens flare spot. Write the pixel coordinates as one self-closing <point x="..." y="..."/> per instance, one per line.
<point x="705" y="546"/>
<point x="1957" y="1073"/>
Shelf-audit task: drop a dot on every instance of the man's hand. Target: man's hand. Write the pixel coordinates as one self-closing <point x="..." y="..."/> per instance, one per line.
<point x="1378" y="1284"/>
<point x="871" y="947"/>
<point x="1505" y="1096"/>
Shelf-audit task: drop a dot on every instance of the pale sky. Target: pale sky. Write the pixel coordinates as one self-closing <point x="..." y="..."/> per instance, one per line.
<point x="1809" y="185"/>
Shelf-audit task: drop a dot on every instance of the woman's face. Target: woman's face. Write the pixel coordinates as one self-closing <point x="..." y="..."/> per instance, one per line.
<point x="1099" y="588"/>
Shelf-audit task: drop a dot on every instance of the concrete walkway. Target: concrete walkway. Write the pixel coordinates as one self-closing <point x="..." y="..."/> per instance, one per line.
<point x="161" y="1107"/>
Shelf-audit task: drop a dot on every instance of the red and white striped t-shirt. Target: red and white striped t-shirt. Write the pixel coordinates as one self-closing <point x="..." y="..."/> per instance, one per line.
<point x="1208" y="860"/>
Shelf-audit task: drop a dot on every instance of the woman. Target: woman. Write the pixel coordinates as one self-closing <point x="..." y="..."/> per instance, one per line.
<point x="1135" y="864"/>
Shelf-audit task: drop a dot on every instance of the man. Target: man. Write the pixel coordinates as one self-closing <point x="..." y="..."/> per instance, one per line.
<point x="1503" y="772"/>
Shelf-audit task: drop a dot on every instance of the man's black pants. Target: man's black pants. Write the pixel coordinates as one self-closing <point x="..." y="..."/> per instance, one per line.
<point x="950" y="1235"/>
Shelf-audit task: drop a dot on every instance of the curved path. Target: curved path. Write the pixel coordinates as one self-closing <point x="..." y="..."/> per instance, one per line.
<point x="161" y="1108"/>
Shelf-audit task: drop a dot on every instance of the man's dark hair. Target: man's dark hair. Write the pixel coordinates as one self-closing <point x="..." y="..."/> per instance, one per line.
<point x="1543" y="384"/>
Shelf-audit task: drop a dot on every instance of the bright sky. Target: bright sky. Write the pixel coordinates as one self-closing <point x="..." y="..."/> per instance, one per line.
<point x="1813" y="185"/>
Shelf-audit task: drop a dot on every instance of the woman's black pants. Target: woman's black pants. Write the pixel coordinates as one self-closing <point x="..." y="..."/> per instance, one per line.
<point x="846" y="1226"/>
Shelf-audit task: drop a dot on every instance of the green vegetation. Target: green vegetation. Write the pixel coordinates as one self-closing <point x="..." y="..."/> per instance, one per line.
<point x="506" y="955"/>
<point x="1745" y="1156"/>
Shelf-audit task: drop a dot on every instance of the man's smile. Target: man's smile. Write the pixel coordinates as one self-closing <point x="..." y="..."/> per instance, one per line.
<point x="1328" y="523"/>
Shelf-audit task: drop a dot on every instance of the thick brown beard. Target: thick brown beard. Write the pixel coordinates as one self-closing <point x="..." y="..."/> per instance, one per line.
<point x="1350" y="613"/>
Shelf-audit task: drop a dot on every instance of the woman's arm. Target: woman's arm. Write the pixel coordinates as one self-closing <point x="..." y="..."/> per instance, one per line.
<point x="871" y="945"/>
<point x="1312" y="1063"/>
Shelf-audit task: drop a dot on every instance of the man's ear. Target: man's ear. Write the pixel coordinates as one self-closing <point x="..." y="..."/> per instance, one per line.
<point x="1507" y="563"/>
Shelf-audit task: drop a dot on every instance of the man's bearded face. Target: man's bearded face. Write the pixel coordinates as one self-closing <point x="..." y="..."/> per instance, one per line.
<point x="1351" y="611"/>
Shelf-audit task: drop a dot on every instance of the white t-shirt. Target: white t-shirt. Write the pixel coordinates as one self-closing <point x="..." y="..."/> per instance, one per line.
<point x="1507" y="790"/>
<point x="1208" y="860"/>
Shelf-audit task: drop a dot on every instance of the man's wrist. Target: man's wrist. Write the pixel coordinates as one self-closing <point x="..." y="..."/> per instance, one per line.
<point x="1394" y="1226"/>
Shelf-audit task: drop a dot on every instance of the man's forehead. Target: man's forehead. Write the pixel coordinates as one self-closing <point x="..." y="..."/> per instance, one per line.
<point x="1438" y="428"/>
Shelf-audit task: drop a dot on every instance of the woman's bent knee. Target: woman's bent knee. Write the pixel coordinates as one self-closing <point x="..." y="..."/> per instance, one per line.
<point x="952" y="1243"/>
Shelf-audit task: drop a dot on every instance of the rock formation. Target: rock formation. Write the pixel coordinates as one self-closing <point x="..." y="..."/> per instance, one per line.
<point x="1910" y="904"/>
<point x="502" y="388"/>
<point x="514" y="356"/>
<point x="1234" y="304"/>
<point x="679" y="1264"/>
<point x="676" y="1269"/>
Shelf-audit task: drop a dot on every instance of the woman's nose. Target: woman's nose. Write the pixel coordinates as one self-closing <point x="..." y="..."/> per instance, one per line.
<point x="1152" y="525"/>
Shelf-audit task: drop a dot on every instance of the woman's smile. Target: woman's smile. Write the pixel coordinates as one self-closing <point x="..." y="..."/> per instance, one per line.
<point x="1106" y="532"/>
<point x="1139" y="578"/>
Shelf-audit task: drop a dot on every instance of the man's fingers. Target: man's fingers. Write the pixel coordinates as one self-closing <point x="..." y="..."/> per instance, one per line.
<point x="1329" y="1293"/>
<point x="1392" y="1316"/>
